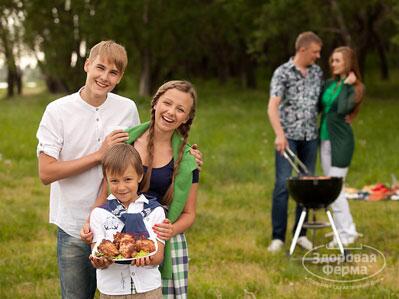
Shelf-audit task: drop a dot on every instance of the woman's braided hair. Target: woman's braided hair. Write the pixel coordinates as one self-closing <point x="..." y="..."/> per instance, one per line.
<point x="183" y="129"/>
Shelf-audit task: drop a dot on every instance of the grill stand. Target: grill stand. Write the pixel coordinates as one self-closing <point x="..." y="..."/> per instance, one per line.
<point x="300" y="225"/>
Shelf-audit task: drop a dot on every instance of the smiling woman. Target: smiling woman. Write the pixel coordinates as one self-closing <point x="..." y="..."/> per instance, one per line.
<point x="172" y="109"/>
<point x="338" y="66"/>
<point x="171" y="175"/>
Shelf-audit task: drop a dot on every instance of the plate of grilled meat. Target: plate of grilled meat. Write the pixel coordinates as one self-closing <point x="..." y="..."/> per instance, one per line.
<point x="125" y="248"/>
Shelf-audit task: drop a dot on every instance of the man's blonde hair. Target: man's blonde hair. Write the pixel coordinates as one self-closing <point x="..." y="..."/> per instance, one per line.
<point x="112" y="51"/>
<point x="305" y="39"/>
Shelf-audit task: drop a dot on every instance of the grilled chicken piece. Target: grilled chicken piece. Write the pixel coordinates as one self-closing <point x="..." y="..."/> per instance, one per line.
<point x="119" y="237"/>
<point x="127" y="248"/>
<point x="145" y="245"/>
<point x="107" y="248"/>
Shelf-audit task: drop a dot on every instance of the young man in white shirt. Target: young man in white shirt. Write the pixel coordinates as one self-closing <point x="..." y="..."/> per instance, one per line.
<point x="73" y="135"/>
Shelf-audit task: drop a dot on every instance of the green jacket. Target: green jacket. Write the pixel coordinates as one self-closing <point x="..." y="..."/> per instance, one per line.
<point x="181" y="187"/>
<point x="340" y="132"/>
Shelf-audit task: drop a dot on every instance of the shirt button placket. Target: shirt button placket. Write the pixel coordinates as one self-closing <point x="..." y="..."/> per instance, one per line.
<point x="98" y="125"/>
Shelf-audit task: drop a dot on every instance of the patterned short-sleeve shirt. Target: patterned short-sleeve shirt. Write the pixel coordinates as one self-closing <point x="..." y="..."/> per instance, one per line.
<point x="299" y="97"/>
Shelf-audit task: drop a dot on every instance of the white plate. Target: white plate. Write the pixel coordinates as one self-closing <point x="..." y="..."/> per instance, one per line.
<point x="129" y="260"/>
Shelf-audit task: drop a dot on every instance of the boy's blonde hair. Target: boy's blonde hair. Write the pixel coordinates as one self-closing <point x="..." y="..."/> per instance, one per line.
<point x="112" y="51"/>
<point x="305" y="39"/>
<point x="119" y="157"/>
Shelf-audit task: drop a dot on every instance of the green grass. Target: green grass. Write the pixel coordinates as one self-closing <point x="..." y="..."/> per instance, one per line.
<point x="228" y="256"/>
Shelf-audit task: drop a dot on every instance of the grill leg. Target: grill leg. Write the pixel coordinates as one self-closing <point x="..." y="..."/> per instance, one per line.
<point x="297" y="231"/>
<point x="314" y="230"/>
<point x="341" y="248"/>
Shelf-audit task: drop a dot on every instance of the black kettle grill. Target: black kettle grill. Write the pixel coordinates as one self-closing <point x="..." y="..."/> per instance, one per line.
<point x="312" y="192"/>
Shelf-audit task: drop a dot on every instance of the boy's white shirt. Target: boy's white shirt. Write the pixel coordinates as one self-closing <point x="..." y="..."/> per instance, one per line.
<point x="70" y="129"/>
<point x="115" y="280"/>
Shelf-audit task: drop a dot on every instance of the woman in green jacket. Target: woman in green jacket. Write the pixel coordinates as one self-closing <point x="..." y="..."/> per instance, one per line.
<point x="171" y="175"/>
<point x="339" y="105"/>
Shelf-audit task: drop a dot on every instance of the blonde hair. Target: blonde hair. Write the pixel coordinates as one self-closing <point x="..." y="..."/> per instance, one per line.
<point x="305" y="39"/>
<point x="119" y="157"/>
<point x="351" y="65"/>
<point x="183" y="130"/>
<point x="112" y="51"/>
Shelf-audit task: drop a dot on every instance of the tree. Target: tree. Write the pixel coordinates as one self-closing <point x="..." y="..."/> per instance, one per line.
<point x="365" y="25"/>
<point x="223" y="39"/>
<point x="278" y="23"/>
<point x="53" y="28"/>
<point x="10" y="43"/>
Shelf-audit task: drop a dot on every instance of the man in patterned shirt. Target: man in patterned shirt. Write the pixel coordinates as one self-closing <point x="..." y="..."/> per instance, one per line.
<point x="294" y="92"/>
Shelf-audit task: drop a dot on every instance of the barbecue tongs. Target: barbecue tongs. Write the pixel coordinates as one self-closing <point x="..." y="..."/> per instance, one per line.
<point x="295" y="162"/>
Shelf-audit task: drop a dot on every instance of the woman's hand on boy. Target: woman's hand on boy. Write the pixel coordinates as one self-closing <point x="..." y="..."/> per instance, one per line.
<point x="164" y="230"/>
<point x="100" y="262"/>
<point x="194" y="150"/>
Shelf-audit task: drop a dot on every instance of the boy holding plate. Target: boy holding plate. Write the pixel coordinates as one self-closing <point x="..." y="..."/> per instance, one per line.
<point x="127" y="212"/>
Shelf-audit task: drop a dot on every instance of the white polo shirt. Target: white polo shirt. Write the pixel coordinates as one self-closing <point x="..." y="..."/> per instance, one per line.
<point x="70" y="129"/>
<point x="117" y="278"/>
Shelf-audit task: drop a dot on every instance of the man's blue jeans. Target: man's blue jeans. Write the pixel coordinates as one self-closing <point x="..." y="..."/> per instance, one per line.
<point x="77" y="275"/>
<point x="307" y="153"/>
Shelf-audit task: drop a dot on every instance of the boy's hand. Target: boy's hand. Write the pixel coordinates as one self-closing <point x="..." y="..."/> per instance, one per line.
<point x="197" y="155"/>
<point x="85" y="233"/>
<point x="100" y="262"/>
<point x="164" y="230"/>
<point x="143" y="261"/>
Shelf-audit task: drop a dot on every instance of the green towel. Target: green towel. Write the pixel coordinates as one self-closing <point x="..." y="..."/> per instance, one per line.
<point x="181" y="187"/>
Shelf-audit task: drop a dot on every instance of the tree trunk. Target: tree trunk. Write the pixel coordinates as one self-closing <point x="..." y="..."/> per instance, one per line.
<point x="341" y="23"/>
<point x="145" y="74"/>
<point x="54" y="85"/>
<point x="18" y="81"/>
<point x="222" y="67"/>
<point x="12" y="76"/>
<point x="10" y="81"/>
<point x="362" y="55"/>
<point x="248" y="72"/>
<point x="384" y="68"/>
<point x="223" y="72"/>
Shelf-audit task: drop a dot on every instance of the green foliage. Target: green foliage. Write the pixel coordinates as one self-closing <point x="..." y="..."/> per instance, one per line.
<point x="228" y="256"/>
<point x="55" y="29"/>
<point x="201" y="39"/>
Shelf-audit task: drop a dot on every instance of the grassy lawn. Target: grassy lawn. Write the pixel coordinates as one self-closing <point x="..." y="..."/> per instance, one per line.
<point x="229" y="239"/>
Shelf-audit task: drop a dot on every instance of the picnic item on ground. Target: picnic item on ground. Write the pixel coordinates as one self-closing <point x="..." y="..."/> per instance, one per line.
<point x="376" y="192"/>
